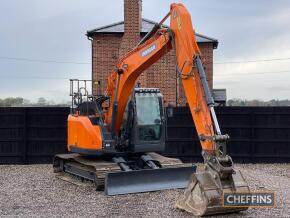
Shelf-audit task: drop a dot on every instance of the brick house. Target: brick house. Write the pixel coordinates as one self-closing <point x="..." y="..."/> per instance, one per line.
<point x="111" y="41"/>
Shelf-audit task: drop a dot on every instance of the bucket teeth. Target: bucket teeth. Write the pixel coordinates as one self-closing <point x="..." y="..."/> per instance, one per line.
<point x="203" y="197"/>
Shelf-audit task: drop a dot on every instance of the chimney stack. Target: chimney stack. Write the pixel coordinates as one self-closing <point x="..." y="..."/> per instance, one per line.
<point x="132" y="25"/>
<point x="132" y="16"/>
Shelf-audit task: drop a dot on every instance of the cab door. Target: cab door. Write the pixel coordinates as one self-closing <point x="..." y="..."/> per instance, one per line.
<point x="149" y="125"/>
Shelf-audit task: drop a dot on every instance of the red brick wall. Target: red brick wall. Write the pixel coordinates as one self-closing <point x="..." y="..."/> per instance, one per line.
<point x="105" y="53"/>
<point x="162" y="75"/>
<point x="207" y="58"/>
<point x="106" y="49"/>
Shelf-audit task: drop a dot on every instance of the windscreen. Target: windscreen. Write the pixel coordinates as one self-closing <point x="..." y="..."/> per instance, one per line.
<point x="148" y="116"/>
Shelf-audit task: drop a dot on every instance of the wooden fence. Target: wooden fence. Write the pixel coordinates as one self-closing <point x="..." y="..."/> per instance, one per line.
<point x="258" y="134"/>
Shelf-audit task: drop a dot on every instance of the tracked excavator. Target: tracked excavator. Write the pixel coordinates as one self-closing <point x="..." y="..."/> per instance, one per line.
<point x="112" y="137"/>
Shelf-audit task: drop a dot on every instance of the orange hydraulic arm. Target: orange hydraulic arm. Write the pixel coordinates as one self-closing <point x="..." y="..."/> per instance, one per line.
<point x="181" y="37"/>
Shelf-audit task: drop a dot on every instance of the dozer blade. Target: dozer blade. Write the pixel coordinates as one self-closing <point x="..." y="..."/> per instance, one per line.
<point x="146" y="180"/>
<point x="203" y="197"/>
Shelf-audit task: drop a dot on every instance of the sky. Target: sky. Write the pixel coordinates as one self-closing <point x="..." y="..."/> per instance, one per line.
<point x="43" y="43"/>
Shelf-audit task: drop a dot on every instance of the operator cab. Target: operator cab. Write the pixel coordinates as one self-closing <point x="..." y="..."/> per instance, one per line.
<point x="145" y="120"/>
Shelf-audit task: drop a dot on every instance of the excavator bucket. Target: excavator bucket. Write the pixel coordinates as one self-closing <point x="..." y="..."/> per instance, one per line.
<point x="204" y="197"/>
<point x="135" y="181"/>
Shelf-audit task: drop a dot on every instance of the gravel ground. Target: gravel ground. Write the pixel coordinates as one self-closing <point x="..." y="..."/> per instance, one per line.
<point x="33" y="190"/>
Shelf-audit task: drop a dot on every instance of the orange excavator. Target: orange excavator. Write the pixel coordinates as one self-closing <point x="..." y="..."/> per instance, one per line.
<point x="112" y="137"/>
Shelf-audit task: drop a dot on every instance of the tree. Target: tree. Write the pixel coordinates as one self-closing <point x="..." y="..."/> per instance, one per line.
<point x="41" y="101"/>
<point x="11" y="102"/>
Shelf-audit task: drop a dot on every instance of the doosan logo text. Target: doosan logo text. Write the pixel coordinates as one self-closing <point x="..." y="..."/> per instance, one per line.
<point x="149" y="50"/>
